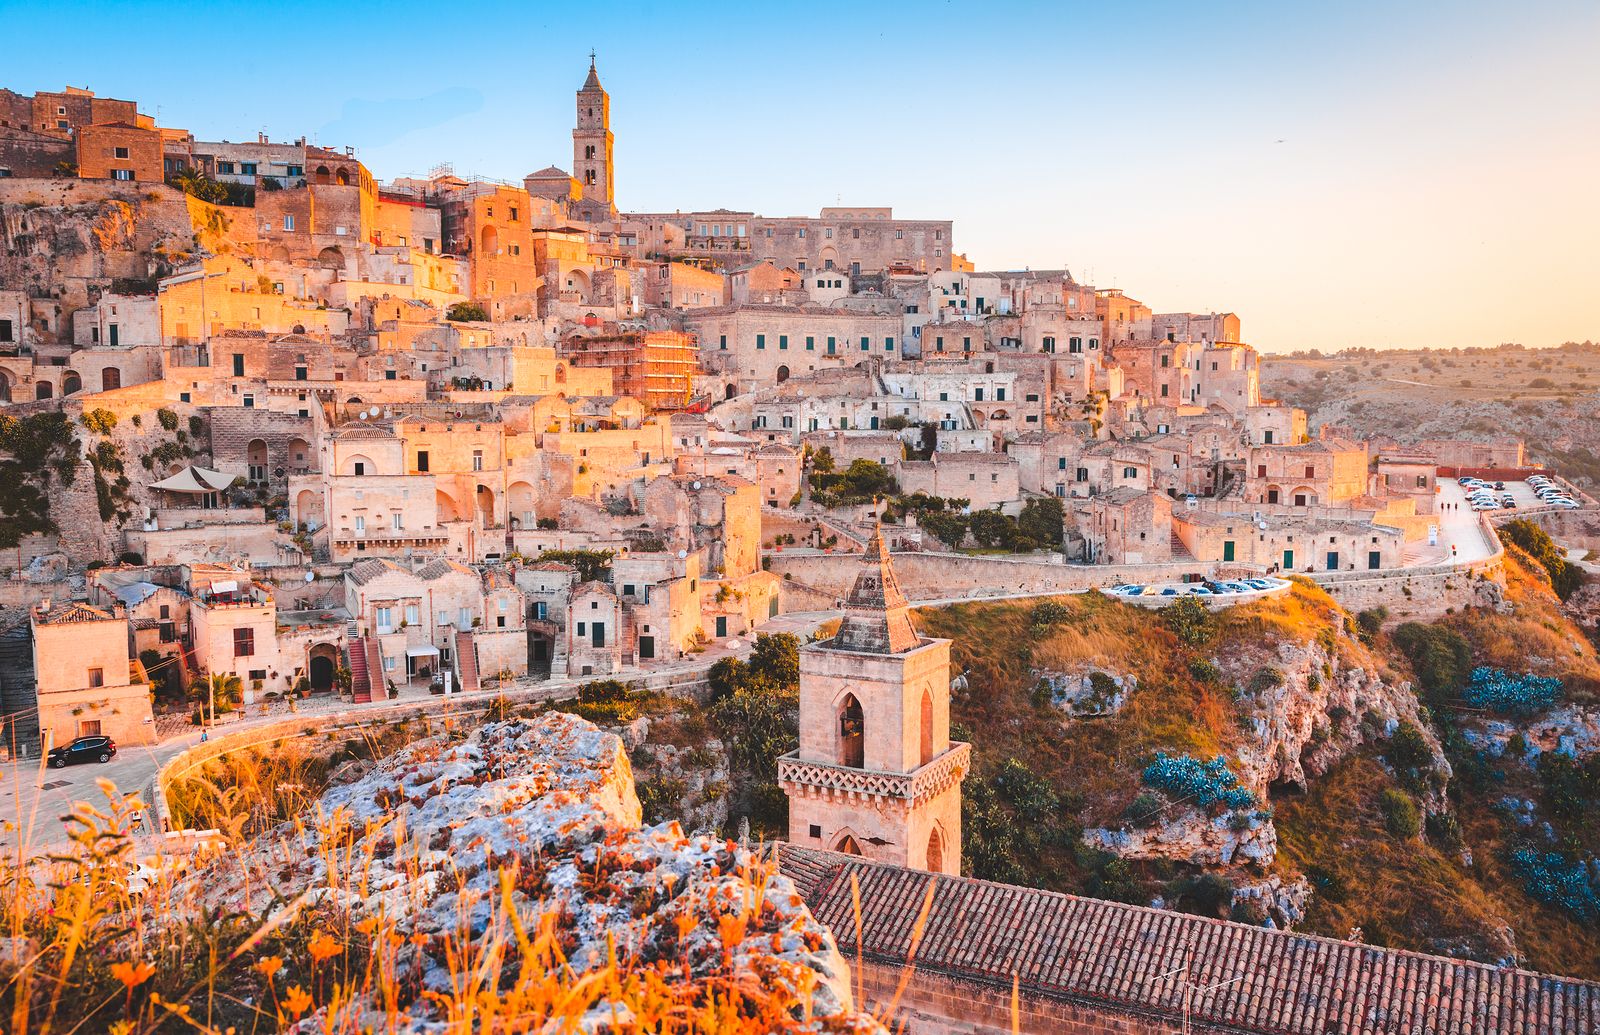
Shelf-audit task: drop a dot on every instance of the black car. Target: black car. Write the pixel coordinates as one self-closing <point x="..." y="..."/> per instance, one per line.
<point x="84" y="749"/>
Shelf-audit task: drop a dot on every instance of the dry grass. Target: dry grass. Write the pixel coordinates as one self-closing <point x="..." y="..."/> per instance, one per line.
<point x="1536" y="636"/>
<point x="86" y="955"/>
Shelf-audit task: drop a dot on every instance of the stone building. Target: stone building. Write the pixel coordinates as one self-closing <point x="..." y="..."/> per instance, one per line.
<point x="89" y="683"/>
<point x="656" y="367"/>
<point x="876" y="773"/>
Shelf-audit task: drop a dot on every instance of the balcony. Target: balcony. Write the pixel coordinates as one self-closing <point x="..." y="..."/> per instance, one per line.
<point x="827" y="779"/>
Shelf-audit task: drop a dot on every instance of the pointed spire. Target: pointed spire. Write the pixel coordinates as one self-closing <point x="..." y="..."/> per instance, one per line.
<point x="877" y="617"/>
<point x="593" y="82"/>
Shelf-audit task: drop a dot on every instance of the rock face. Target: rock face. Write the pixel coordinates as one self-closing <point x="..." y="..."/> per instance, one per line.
<point x="433" y="830"/>
<point x="1086" y="690"/>
<point x="1307" y="710"/>
<point x="1193" y="837"/>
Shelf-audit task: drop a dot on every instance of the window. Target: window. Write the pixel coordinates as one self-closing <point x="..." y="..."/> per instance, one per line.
<point x="384" y="616"/>
<point x="866" y="343"/>
<point x="477" y="459"/>
<point x="360" y="469"/>
<point x="288" y="222"/>
<point x="761" y="341"/>
<point x="398" y="526"/>
<point x="120" y="152"/>
<point x="411" y="614"/>
<point x="422" y="460"/>
<point x="888" y="344"/>
<point x="225" y="168"/>
<point x="722" y="342"/>
<point x="122" y="174"/>
<point x="294" y="170"/>
<point x="361" y="524"/>
<point x="244" y="643"/>
<point x="248" y="168"/>
<point x="811" y="343"/>
<point x="97" y="677"/>
<point x="783" y="341"/>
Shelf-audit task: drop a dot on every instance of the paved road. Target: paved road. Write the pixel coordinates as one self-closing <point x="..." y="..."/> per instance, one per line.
<point x="35" y="799"/>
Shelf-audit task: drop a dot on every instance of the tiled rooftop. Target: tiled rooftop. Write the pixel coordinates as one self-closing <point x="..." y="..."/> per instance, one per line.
<point x="1261" y="981"/>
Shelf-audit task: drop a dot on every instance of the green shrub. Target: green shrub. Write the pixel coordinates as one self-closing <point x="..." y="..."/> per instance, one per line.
<point x="466" y="312"/>
<point x="1369" y="623"/>
<point x="167" y="418"/>
<point x="99" y="420"/>
<point x="1440" y="656"/>
<point x="1565" y="578"/>
<point x="1189" y="620"/>
<point x="1400" y="814"/>
<point x="1205" y="671"/>
<point x="1266" y="679"/>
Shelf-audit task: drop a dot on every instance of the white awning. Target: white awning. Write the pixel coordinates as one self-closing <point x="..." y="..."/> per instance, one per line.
<point x="225" y="586"/>
<point x="194" y="480"/>
<point x="425" y="651"/>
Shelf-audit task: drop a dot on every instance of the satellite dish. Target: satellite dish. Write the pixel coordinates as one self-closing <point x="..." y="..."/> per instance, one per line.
<point x="363" y="415"/>
<point x="694" y="485"/>
<point x="682" y="554"/>
<point x="311" y="576"/>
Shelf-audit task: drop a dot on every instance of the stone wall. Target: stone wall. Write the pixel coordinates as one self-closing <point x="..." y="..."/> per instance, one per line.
<point x="937" y="576"/>
<point x="937" y="1004"/>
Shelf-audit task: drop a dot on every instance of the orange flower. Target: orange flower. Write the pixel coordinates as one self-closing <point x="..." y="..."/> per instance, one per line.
<point x="685" y="924"/>
<point x="323" y="947"/>
<point x="367" y="926"/>
<point x="132" y="975"/>
<point x="296" y="1001"/>
<point x="269" y="966"/>
<point x="730" y="929"/>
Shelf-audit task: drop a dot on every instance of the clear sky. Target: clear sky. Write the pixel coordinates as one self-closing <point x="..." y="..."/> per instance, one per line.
<point x="1377" y="174"/>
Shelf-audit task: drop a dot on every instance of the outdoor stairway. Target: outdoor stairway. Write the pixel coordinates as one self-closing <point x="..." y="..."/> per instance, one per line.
<point x="1180" y="552"/>
<point x="466" y="662"/>
<point x="360" y="684"/>
<point x="375" y="679"/>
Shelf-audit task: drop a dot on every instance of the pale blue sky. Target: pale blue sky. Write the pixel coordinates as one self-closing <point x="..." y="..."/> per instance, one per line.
<point x="1343" y="174"/>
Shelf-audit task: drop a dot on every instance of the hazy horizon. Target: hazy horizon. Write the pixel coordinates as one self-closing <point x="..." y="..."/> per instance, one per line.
<point x="1353" y="177"/>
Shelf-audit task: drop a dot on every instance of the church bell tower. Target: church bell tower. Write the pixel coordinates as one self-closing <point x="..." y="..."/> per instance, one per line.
<point x="876" y="773"/>
<point x="592" y="151"/>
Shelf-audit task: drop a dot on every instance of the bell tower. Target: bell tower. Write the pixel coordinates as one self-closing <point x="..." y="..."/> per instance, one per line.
<point x="876" y="773"/>
<point x="592" y="151"/>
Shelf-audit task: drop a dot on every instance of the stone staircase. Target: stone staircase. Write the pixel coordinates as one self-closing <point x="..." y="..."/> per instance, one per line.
<point x="360" y="681"/>
<point x="19" y="707"/>
<point x="380" y="685"/>
<point x="466" y="662"/>
<point x="1180" y="552"/>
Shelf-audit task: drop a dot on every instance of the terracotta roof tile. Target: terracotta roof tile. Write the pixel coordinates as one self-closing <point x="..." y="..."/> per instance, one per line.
<point x="1258" y="980"/>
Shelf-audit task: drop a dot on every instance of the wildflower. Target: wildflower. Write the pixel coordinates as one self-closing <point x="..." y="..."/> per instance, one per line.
<point x="730" y="929"/>
<point x="323" y="947"/>
<point x="685" y="924"/>
<point x="367" y="926"/>
<point x="296" y="1000"/>
<point x="269" y="966"/>
<point x="132" y="975"/>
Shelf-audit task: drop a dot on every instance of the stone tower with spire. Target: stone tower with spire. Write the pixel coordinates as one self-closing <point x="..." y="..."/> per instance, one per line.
<point x="876" y="773"/>
<point x="592" y="146"/>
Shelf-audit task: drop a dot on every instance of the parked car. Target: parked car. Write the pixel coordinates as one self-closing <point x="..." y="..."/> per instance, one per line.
<point x="1201" y="591"/>
<point x="84" y="749"/>
<point x="1169" y="592"/>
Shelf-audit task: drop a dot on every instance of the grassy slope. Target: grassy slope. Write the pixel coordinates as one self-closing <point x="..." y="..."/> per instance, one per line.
<point x="1401" y="891"/>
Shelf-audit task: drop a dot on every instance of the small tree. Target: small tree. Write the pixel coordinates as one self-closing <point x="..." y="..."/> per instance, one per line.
<point x="946" y="526"/>
<point x="466" y="312"/>
<point x="991" y="528"/>
<point x="218" y="689"/>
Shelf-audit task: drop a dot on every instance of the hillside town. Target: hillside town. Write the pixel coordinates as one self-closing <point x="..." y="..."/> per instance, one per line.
<point x="323" y="445"/>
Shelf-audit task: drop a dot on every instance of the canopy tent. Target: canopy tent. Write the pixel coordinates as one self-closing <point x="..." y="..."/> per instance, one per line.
<point x="196" y="481"/>
<point x="425" y="651"/>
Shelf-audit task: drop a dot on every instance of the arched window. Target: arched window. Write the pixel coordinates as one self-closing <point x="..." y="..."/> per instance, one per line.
<point x="852" y="727"/>
<point x="71" y="383"/>
<point x="935" y="852"/>
<point x="783" y="374"/>
<point x="847" y="845"/>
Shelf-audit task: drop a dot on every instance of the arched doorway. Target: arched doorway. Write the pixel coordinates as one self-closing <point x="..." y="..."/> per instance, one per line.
<point x="308" y="509"/>
<point x="322" y="666"/>
<point x="330" y="258"/>
<point x="847" y="845"/>
<point x="489" y="241"/>
<point x="852" y="729"/>
<point x="935" y="851"/>
<point x="342" y="177"/>
<point x="43" y="390"/>
<point x="729" y="392"/>
<point x="519" y="505"/>
<point x="927" y="727"/>
<point x="5" y="387"/>
<point x="322" y="174"/>
<point x="485" y="502"/>
<point x="256" y="460"/>
<point x="110" y="379"/>
<point x="299" y="456"/>
<point x="783" y="373"/>
<point x="71" y="383"/>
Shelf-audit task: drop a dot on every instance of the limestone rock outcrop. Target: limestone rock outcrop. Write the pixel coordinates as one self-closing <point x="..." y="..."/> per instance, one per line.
<point x="425" y="839"/>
